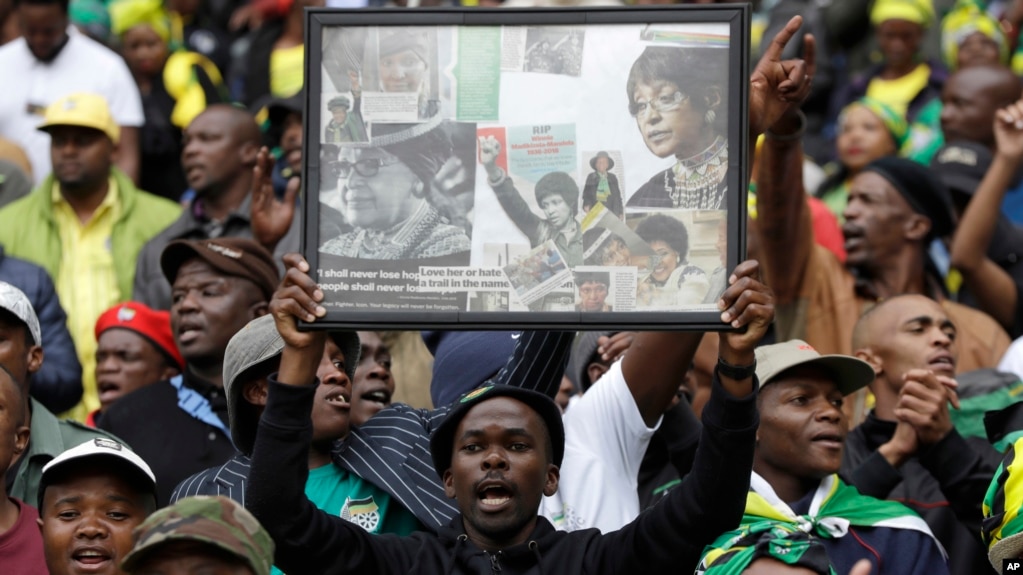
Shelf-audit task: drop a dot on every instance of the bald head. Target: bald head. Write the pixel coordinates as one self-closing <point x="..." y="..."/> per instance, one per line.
<point x="970" y="99"/>
<point x="236" y="122"/>
<point x="906" y="332"/>
<point x="219" y="151"/>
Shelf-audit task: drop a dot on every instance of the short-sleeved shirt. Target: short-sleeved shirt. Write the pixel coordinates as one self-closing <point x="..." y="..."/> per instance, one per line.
<point x="83" y="65"/>
<point x="21" y="546"/>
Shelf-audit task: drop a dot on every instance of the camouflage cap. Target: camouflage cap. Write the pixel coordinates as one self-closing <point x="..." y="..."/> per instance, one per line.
<point x="217" y="521"/>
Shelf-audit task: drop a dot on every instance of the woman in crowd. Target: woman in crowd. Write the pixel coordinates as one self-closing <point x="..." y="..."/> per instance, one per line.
<point x="679" y="100"/>
<point x="971" y="37"/>
<point x="176" y="85"/>
<point x="672" y="281"/>
<point x="867" y="130"/>
<point x="384" y="190"/>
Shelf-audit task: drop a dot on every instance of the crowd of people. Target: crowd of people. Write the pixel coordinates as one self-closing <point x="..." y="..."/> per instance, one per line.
<point x="162" y="412"/>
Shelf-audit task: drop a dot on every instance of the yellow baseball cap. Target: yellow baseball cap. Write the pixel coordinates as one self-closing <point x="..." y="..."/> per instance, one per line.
<point x="82" y="109"/>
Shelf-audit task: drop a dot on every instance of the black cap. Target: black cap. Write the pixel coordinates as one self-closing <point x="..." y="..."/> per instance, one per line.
<point x="962" y="165"/>
<point x="443" y="440"/>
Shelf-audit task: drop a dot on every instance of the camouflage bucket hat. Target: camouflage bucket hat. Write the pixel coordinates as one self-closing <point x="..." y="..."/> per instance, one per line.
<point x="216" y="521"/>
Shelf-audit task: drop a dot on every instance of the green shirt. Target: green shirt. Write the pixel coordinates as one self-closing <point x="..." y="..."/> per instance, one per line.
<point x="340" y="493"/>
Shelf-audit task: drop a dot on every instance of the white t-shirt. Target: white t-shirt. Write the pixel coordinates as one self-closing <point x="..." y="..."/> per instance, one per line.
<point x="605" y="440"/>
<point x="1012" y="361"/>
<point x="83" y="65"/>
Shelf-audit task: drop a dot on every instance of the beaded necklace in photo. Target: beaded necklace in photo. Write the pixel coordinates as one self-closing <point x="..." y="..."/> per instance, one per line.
<point x="694" y="183"/>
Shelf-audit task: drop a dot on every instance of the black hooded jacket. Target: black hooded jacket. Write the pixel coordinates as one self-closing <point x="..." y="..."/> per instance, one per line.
<point x="669" y="537"/>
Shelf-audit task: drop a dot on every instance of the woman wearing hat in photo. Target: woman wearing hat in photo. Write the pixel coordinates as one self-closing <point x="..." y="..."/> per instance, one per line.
<point x="602" y="185"/>
<point x="678" y="97"/>
<point x="391" y="194"/>
<point x="346" y="123"/>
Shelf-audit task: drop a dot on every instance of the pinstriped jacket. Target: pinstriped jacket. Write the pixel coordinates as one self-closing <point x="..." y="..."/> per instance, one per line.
<point x="392" y="449"/>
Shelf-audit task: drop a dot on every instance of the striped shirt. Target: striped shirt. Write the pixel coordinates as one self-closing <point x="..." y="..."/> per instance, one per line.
<point x="392" y="449"/>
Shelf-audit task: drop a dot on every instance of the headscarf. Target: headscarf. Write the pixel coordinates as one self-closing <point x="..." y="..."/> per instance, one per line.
<point x="91" y="15"/>
<point x="126" y="14"/>
<point x="896" y="124"/>
<point x="917" y="11"/>
<point x="966" y="18"/>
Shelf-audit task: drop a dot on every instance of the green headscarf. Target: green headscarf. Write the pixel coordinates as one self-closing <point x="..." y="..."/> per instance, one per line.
<point x="892" y="120"/>
<point x="965" y="19"/>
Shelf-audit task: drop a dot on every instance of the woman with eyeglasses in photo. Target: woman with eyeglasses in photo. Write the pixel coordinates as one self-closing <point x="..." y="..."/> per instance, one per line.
<point x="678" y="98"/>
<point x="384" y="195"/>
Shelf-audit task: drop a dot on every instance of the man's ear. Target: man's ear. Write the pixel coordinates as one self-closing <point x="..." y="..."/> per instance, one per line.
<point x="169" y="371"/>
<point x="550" y="487"/>
<point x="917" y="227"/>
<point x="259" y="309"/>
<point x="21" y="435"/>
<point x="867" y="354"/>
<point x="35" y="358"/>
<point x="255" y="392"/>
<point x="449" y="484"/>
<point x="595" y="371"/>
<point x="248" y="153"/>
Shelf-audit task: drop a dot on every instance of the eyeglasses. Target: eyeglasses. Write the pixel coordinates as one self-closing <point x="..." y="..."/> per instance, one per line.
<point x="365" y="167"/>
<point x="665" y="103"/>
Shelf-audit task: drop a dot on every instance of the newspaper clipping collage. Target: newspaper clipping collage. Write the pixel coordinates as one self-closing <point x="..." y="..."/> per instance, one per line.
<point x="523" y="168"/>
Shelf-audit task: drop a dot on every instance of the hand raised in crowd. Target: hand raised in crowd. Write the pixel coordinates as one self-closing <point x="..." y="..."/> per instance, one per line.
<point x="923" y="403"/>
<point x="748" y="306"/>
<point x="1009" y="132"/>
<point x="614" y="346"/>
<point x="777" y="85"/>
<point x="271" y="218"/>
<point x="298" y="298"/>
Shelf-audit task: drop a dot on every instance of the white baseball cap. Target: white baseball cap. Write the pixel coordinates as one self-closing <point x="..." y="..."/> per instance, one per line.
<point x="16" y="302"/>
<point x="99" y="447"/>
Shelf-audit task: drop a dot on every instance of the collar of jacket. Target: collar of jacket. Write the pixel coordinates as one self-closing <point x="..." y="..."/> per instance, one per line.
<point x="515" y="559"/>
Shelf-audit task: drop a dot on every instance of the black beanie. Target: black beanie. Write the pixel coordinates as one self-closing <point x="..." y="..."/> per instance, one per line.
<point x="924" y="192"/>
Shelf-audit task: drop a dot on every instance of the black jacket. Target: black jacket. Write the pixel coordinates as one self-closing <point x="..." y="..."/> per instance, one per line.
<point x="945" y="484"/>
<point x="173" y="443"/>
<point x="669" y="537"/>
<point x="58" y="383"/>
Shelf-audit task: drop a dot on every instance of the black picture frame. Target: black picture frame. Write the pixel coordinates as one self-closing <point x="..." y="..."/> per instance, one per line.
<point x="422" y="101"/>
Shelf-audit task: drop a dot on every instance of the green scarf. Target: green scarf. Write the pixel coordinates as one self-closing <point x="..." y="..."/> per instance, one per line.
<point x="770" y="528"/>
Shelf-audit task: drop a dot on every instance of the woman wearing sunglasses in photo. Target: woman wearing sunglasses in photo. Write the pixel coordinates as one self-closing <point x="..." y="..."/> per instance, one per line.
<point x="388" y="194"/>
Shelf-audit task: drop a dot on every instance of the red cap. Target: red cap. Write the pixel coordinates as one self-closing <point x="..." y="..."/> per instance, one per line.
<point x="151" y="324"/>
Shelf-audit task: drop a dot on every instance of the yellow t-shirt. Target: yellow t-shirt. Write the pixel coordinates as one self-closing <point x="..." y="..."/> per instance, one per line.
<point x="86" y="281"/>
<point x="898" y="93"/>
<point x="286" y="71"/>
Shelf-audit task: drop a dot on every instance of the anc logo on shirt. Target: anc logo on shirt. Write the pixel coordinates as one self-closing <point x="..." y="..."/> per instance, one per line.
<point x="475" y="393"/>
<point x="363" y="512"/>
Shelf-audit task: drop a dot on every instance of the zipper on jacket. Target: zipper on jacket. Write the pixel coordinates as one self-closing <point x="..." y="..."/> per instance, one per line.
<point x="495" y="565"/>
